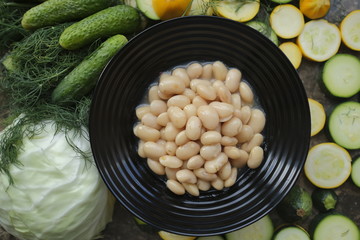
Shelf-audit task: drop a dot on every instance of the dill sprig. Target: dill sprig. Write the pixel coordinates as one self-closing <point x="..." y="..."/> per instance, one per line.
<point x="65" y="118"/>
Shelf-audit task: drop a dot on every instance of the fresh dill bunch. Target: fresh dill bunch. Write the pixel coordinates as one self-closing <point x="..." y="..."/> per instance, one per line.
<point x="36" y="64"/>
<point x="67" y="119"/>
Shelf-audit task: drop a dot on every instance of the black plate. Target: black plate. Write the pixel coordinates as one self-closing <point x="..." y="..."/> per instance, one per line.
<point x="122" y="87"/>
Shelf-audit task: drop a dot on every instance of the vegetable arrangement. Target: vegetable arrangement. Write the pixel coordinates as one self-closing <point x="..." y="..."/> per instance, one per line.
<point x="50" y="48"/>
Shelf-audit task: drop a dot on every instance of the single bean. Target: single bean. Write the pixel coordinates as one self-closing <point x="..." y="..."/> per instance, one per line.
<point x="182" y="74"/>
<point x="201" y="173"/>
<point x="163" y="119"/>
<point x="214" y="165"/>
<point x="246" y="93"/>
<point x="209" y="152"/>
<point x="236" y="101"/>
<point x="155" y="166"/>
<point x="246" y="134"/>
<point x="187" y="150"/>
<point x="164" y="96"/>
<point x="232" y="127"/>
<point x="245" y="114"/>
<point x="218" y="184"/>
<point x="224" y="94"/>
<point x="170" y="161"/>
<point x="170" y="132"/>
<point x="256" y="140"/>
<point x="232" y="80"/>
<point x="224" y="110"/>
<point x="153" y="93"/>
<point x="203" y="185"/>
<point x="193" y="128"/>
<point x="157" y="107"/>
<point x="232" y="178"/>
<point x="208" y="117"/>
<point x="141" y="149"/>
<point x="175" y="187"/>
<point x="170" y="148"/>
<point x="207" y="72"/>
<point x="225" y="172"/>
<point x="154" y="150"/>
<point x="194" y="70"/>
<point x="228" y="141"/>
<point x="171" y="173"/>
<point x="189" y="93"/>
<point x="181" y="138"/>
<point x="217" y="83"/>
<point x="194" y="83"/>
<point x="199" y="101"/>
<point x="210" y="138"/>
<point x="177" y="116"/>
<point x="257" y="120"/>
<point x="241" y="161"/>
<point x="161" y="142"/>
<point x="219" y="70"/>
<point x="150" y="120"/>
<point x="191" y="188"/>
<point x="146" y="133"/>
<point x="233" y="152"/>
<point x="206" y="92"/>
<point x="171" y="85"/>
<point x="186" y="176"/>
<point x="256" y="157"/>
<point x="142" y="110"/>
<point x="195" y="162"/>
<point x="190" y="110"/>
<point x="179" y="101"/>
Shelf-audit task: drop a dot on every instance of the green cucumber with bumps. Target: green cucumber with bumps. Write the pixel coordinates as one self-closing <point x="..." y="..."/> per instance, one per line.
<point x="52" y="12"/>
<point x="82" y="79"/>
<point x="120" y="19"/>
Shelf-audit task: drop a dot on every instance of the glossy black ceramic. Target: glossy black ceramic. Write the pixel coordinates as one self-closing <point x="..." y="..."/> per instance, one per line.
<point x="122" y="87"/>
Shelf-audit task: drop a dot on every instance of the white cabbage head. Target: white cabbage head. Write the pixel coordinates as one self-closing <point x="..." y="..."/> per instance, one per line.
<point x="56" y="193"/>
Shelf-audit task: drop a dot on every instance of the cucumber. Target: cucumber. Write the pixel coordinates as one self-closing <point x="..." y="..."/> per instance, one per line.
<point x="334" y="226"/>
<point x="296" y="205"/>
<point x="52" y="12"/>
<point x="82" y="79"/>
<point x="263" y="229"/>
<point x="324" y="199"/>
<point x="344" y="125"/>
<point x="120" y="19"/>
<point x="341" y="75"/>
<point x="291" y="232"/>
<point x="211" y="238"/>
<point x="355" y="172"/>
<point x="264" y="29"/>
<point x="146" y="7"/>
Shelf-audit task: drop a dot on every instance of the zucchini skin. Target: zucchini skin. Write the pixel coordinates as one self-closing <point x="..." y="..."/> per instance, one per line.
<point x="83" y="78"/>
<point x="52" y="12"/>
<point x="120" y="19"/>
<point x="324" y="199"/>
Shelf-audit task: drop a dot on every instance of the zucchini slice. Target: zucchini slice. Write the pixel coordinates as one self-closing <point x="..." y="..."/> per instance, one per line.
<point x="265" y="30"/>
<point x="341" y="75"/>
<point x="344" y="125"/>
<point x="238" y="11"/>
<point x="355" y="172"/>
<point x="260" y="230"/>
<point x="287" y="21"/>
<point x="146" y="7"/>
<point x="291" y="232"/>
<point x="335" y="226"/>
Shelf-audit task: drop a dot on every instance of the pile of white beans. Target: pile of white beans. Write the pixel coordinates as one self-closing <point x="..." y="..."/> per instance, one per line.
<point x="199" y="126"/>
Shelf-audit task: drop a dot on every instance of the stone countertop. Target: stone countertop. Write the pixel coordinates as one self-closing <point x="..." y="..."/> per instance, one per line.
<point x="123" y="226"/>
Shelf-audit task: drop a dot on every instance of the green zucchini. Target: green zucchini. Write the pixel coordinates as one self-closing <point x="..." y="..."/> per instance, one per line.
<point x="263" y="229"/>
<point x="120" y="19"/>
<point x="334" y="226"/>
<point x="341" y="75"/>
<point x="290" y="232"/>
<point x="324" y="199"/>
<point x="146" y="7"/>
<point x="344" y="125"/>
<point x="355" y="172"/>
<point x="53" y="12"/>
<point x="296" y="205"/>
<point x="82" y="79"/>
<point x="265" y="29"/>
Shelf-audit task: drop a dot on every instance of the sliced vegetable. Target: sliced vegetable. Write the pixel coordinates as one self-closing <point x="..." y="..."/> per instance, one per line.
<point x="52" y="12"/>
<point x="355" y="172"/>
<point x="324" y="199"/>
<point x="147" y="8"/>
<point x="350" y="30"/>
<point x="120" y="19"/>
<point x="264" y="29"/>
<point x="293" y="52"/>
<point x="335" y="226"/>
<point x="171" y="236"/>
<point x="263" y="229"/>
<point x="287" y="21"/>
<point x="317" y="115"/>
<point x="327" y="165"/>
<point x="201" y="7"/>
<point x="341" y="75"/>
<point x="291" y="232"/>
<point x="344" y="125"/>
<point x="314" y="9"/>
<point x="319" y="40"/>
<point x="296" y="205"/>
<point x="241" y="11"/>
<point x="281" y="1"/>
<point x="167" y="9"/>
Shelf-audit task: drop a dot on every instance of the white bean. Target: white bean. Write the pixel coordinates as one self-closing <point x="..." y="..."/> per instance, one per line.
<point x="241" y="161"/>
<point x="141" y="149"/>
<point x="209" y="152"/>
<point x="218" y="184"/>
<point x="181" y="138"/>
<point x="203" y="185"/>
<point x="214" y="165"/>
<point x="219" y="70"/>
<point x="171" y="85"/>
<point x="224" y="94"/>
<point x="204" y="175"/>
<point x="163" y="119"/>
<point x="224" y="110"/>
<point x="246" y="93"/>
<point x="257" y="120"/>
<point x="232" y="127"/>
<point x="195" y="162"/>
<point x="225" y="171"/>
<point x="187" y="150"/>
<point x="146" y="133"/>
<point x="171" y="173"/>
<point x="232" y="80"/>
<point x="189" y="93"/>
<point x="207" y="72"/>
<point x="255" y="157"/>
<point x="245" y="114"/>
<point x="194" y="83"/>
<point x="190" y="110"/>
<point x="232" y="178"/>
<point x="157" y="107"/>
<point x="170" y="148"/>
<point x="177" y="116"/>
<point x="210" y="138"/>
<point x="233" y="152"/>
<point x="164" y="96"/>
<point x="142" y="110"/>
<point x="191" y="188"/>
<point x="170" y="161"/>
<point x="179" y="101"/>
<point x="256" y="140"/>
<point x="206" y="92"/>
<point x="182" y="74"/>
<point x="153" y="93"/>
<point x="199" y="101"/>
<point x="186" y="176"/>
<point x="208" y="117"/>
<point x="194" y="70"/>
<point x="246" y="133"/>
<point x="236" y="101"/>
<point x="170" y="132"/>
<point x="153" y="150"/>
<point x="150" y="120"/>
<point x="175" y="187"/>
<point x="228" y="141"/>
<point x="155" y="166"/>
<point x="193" y="128"/>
